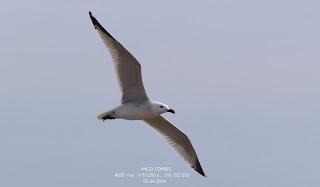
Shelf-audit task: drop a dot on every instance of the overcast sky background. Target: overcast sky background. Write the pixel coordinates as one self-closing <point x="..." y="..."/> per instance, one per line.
<point x="243" y="77"/>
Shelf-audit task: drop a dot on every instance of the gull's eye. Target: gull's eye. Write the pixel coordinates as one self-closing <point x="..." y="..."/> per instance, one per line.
<point x="161" y="106"/>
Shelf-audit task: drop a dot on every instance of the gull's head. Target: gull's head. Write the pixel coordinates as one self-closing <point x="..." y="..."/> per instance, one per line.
<point x="162" y="108"/>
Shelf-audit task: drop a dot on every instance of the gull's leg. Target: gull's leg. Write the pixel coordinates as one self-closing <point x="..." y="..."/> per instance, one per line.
<point x="107" y="117"/>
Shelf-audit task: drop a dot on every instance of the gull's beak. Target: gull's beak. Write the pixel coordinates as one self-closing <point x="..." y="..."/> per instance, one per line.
<point x="171" y="110"/>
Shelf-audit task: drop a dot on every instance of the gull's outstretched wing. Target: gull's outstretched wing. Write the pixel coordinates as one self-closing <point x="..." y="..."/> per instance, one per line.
<point x="127" y="67"/>
<point x="177" y="139"/>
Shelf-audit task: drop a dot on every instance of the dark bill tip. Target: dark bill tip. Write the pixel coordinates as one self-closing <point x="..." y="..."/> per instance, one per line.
<point x="172" y="111"/>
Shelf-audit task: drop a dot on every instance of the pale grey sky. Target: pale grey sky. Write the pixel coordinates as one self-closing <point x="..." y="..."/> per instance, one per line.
<point x="243" y="77"/>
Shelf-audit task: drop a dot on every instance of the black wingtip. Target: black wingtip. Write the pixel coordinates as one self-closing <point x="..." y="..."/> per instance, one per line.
<point x="198" y="168"/>
<point x="97" y="25"/>
<point x="91" y="16"/>
<point x="94" y="20"/>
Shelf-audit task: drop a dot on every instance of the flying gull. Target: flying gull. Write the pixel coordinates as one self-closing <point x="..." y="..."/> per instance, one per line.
<point x="136" y="105"/>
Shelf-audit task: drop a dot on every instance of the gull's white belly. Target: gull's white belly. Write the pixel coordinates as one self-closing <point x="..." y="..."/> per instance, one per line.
<point x="134" y="111"/>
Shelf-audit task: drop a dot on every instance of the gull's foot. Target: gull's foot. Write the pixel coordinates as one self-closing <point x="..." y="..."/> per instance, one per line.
<point x="107" y="117"/>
